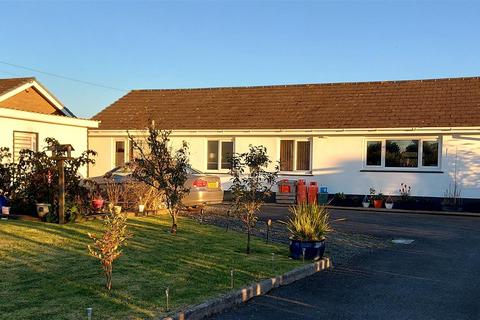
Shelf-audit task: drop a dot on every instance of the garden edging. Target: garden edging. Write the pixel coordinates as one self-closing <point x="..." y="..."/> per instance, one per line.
<point x="217" y="305"/>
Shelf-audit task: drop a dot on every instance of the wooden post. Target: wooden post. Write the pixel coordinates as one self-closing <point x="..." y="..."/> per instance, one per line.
<point x="61" y="195"/>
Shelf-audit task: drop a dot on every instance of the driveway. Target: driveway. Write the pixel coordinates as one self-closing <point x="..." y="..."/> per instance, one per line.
<point x="435" y="277"/>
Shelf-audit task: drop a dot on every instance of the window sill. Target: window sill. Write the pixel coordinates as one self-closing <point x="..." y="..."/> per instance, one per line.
<point x="293" y="173"/>
<point x="401" y="171"/>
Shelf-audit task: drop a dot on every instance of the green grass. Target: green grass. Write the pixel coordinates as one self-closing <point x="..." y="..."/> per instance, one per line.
<point x="46" y="272"/>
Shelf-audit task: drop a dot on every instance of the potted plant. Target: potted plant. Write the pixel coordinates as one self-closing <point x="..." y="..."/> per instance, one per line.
<point x="43" y="209"/>
<point x="365" y="202"/>
<point x="141" y="205"/>
<point x="389" y="203"/>
<point x="97" y="201"/>
<point x="377" y="198"/>
<point x="308" y="226"/>
<point x="4" y="203"/>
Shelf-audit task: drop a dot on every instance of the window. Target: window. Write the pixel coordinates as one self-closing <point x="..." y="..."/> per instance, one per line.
<point x="134" y="153"/>
<point x="403" y="153"/>
<point x="294" y="155"/>
<point x="219" y="154"/>
<point x="119" y="153"/>
<point x="374" y="153"/>
<point x="430" y="153"/>
<point x="22" y="141"/>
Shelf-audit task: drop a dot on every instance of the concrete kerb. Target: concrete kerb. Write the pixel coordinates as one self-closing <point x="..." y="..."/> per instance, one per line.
<point x="218" y="305"/>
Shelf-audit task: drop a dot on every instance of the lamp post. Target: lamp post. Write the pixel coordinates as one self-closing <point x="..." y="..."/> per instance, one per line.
<point x="61" y="153"/>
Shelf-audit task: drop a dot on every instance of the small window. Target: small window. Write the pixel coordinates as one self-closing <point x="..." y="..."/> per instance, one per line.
<point x="22" y="141"/>
<point x="295" y="155"/>
<point x="303" y="155"/>
<point x="119" y="153"/>
<point x="401" y="153"/>
<point x="430" y="153"/>
<point x="286" y="155"/>
<point x="374" y="153"/>
<point x="219" y="154"/>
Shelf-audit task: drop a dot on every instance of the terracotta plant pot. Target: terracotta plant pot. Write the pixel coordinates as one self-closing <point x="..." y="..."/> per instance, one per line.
<point x="97" y="204"/>
<point x="377" y="203"/>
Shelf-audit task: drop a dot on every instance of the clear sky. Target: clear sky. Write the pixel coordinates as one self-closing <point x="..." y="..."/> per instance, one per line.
<point x="184" y="44"/>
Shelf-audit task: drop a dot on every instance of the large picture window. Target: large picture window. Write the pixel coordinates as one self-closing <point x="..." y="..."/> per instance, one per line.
<point x="295" y="155"/>
<point x="403" y="153"/>
<point x="219" y="154"/>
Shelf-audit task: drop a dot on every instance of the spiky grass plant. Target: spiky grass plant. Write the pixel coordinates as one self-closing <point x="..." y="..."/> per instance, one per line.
<point x="309" y="222"/>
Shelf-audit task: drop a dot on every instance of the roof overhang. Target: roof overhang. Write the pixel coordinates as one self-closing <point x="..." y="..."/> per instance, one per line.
<point x="296" y="132"/>
<point x="43" y="91"/>
<point x="47" y="118"/>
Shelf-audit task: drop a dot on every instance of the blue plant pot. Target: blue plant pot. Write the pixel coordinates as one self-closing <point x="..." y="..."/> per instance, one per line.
<point x="314" y="250"/>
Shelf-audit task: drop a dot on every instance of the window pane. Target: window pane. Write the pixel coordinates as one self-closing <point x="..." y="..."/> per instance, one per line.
<point x="119" y="153"/>
<point x="374" y="153"/>
<point x="286" y="155"/>
<point x="227" y="152"/>
<point x="401" y="153"/>
<point x="303" y="155"/>
<point x="430" y="154"/>
<point x="24" y="140"/>
<point x="212" y="160"/>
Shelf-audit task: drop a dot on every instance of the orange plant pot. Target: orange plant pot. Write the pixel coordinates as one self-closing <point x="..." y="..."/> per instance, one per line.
<point x="377" y="203"/>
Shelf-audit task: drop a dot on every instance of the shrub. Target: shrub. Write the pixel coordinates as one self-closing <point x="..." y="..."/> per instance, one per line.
<point x="309" y="222"/>
<point x="109" y="247"/>
<point x="251" y="185"/>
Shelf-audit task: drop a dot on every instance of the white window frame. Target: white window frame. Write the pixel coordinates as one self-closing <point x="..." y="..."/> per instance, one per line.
<point x="295" y="140"/>
<point x="219" y="141"/>
<point x="125" y="152"/>
<point x="420" y="166"/>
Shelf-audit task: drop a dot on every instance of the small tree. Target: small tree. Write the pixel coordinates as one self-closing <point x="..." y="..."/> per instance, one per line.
<point x="251" y="185"/>
<point x="159" y="166"/>
<point x="109" y="247"/>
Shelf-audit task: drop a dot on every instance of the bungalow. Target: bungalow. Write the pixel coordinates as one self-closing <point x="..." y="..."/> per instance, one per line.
<point x="346" y="136"/>
<point x="29" y="113"/>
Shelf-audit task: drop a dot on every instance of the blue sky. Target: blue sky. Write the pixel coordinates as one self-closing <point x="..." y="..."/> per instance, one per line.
<point x="184" y="44"/>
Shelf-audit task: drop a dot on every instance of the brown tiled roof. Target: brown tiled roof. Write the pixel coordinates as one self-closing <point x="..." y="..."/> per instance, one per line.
<point x="10" y="84"/>
<point x="390" y="104"/>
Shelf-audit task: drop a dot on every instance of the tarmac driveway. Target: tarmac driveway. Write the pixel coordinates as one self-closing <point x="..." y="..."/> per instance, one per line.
<point x="435" y="277"/>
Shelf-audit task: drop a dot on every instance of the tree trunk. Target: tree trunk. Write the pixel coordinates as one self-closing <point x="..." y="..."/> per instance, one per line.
<point x="108" y="276"/>
<point x="173" y="230"/>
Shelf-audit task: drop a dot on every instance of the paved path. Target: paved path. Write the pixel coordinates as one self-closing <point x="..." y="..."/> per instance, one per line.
<point x="435" y="277"/>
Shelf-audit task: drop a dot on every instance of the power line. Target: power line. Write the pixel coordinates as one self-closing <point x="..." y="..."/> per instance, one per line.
<point x="61" y="77"/>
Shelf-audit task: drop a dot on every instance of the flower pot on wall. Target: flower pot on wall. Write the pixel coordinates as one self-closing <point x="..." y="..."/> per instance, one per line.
<point x="43" y="209"/>
<point x="314" y="250"/>
<point x="389" y="205"/>
<point x="377" y="203"/>
<point x="141" y="208"/>
<point x="97" y="204"/>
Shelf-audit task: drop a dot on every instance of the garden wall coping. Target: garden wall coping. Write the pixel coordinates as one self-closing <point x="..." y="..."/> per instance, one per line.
<point x="227" y="301"/>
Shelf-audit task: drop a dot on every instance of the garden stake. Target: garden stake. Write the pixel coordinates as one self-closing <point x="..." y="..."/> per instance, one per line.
<point x="231" y="278"/>
<point x="166" y="294"/>
<point x="303" y="254"/>
<point x="273" y="265"/>
<point x="269" y="224"/>
<point x="89" y="313"/>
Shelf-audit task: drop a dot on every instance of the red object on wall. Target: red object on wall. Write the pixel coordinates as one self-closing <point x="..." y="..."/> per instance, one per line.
<point x="284" y="188"/>
<point x="301" y="191"/>
<point x="312" y="192"/>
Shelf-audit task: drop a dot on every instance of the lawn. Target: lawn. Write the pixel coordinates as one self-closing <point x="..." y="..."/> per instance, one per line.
<point x="46" y="272"/>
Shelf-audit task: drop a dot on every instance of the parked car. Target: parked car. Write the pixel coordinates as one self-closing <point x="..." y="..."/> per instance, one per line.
<point x="204" y="188"/>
